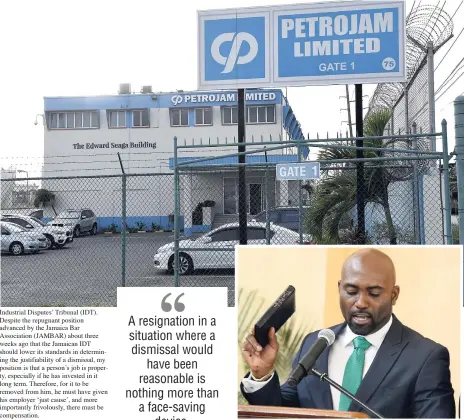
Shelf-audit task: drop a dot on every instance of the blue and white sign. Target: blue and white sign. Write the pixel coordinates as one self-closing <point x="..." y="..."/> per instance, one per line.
<point x="225" y="98"/>
<point x="234" y="48"/>
<point x="298" y="171"/>
<point x="305" y="44"/>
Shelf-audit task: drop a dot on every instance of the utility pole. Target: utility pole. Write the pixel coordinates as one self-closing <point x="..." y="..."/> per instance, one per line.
<point x="360" y="193"/>
<point x="242" y="208"/>
<point x="348" y="107"/>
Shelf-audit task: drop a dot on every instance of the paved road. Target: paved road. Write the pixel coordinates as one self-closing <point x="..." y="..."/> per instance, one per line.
<point x="88" y="271"/>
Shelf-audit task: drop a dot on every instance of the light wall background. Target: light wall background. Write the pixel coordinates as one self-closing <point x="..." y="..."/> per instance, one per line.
<point x="429" y="280"/>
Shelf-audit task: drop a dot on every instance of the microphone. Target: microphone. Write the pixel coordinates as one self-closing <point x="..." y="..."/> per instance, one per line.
<point x="325" y="338"/>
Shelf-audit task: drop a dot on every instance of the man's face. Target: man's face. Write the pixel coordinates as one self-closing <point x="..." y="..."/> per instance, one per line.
<point x="367" y="294"/>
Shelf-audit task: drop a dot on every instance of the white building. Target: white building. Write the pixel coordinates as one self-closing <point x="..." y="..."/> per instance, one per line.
<point x="84" y="134"/>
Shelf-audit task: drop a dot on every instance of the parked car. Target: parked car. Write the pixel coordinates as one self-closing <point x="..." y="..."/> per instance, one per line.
<point x="79" y="221"/>
<point x="286" y="217"/>
<point x="225" y="236"/>
<point x="18" y="240"/>
<point x="56" y="236"/>
<point x="37" y="213"/>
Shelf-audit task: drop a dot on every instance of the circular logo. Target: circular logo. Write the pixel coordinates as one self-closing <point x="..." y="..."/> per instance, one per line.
<point x="176" y="99"/>
<point x="389" y="63"/>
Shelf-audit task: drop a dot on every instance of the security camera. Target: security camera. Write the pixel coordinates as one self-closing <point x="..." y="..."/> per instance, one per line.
<point x="35" y="122"/>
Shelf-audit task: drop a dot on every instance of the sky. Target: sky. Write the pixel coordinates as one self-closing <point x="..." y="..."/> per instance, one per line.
<point x="64" y="48"/>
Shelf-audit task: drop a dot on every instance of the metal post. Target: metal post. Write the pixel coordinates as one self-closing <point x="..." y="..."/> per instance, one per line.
<point x="124" y="228"/>
<point x="360" y="204"/>
<point x="348" y="106"/>
<point x="123" y="225"/>
<point x="431" y="91"/>
<point x="242" y="208"/>
<point x="406" y="109"/>
<point x="415" y="191"/>
<point x="446" y="186"/>
<point x="459" y="129"/>
<point x="300" y="205"/>
<point x="176" y="216"/>
<point x="392" y="122"/>
<point x="266" y="188"/>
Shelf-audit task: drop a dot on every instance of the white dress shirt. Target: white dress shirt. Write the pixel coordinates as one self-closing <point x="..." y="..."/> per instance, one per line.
<point x="339" y="354"/>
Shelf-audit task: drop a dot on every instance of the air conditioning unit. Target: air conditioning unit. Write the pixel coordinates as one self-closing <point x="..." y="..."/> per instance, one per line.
<point x="146" y="89"/>
<point x="124" y="88"/>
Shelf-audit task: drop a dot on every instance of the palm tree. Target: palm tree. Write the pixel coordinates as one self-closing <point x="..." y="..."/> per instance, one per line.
<point x="335" y="195"/>
<point x="44" y="198"/>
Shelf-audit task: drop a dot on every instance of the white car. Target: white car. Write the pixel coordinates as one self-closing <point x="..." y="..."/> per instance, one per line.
<point x="218" y="246"/>
<point x="56" y="236"/>
<point x="17" y="240"/>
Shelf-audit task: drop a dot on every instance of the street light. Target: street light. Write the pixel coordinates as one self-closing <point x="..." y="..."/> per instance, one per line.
<point x="27" y="183"/>
<point x="39" y="115"/>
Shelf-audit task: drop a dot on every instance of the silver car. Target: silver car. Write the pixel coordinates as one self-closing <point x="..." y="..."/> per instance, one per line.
<point x="56" y="236"/>
<point x="17" y="240"/>
<point x="78" y="221"/>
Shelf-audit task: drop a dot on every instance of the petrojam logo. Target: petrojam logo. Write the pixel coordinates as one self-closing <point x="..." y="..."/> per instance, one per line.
<point x="177" y="99"/>
<point x="234" y="56"/>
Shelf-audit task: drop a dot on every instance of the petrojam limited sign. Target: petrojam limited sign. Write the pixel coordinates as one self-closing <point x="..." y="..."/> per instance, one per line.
<point x="221" y="97"/>
<point x="304" y="44"/>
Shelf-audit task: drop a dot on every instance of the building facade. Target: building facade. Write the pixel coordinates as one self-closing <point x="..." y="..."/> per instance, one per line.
<point x="83" y="136"/>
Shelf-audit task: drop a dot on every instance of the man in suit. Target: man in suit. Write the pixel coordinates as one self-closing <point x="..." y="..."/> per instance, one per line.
<point x="389" y="367"/>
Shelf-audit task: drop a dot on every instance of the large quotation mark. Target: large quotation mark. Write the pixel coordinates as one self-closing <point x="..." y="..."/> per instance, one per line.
<point x="178" y="306"/>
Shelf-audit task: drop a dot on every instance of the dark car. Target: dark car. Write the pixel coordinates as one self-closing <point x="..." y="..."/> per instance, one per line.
<point x="286" y="217"/>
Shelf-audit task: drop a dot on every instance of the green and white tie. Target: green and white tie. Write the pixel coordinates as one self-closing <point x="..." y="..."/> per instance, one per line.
<point x="353" y="371"/>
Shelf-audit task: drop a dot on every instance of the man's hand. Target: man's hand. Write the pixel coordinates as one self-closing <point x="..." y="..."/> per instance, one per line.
<point x="260" y="361"/>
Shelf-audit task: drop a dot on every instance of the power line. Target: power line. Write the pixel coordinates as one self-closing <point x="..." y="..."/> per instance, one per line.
<point x="451" y="85"/>
<point x="460" y="33"/>
<point x="450" y="102"/>
<point x="451" y="75"/>
<point x="409" y="14"/>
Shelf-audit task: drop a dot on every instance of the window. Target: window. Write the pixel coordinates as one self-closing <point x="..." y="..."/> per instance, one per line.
<point x="229" y="115"/>
<point x="261" y="114"/>
<point x="179" y="117"/>
<point x="203" y="116"/>
<point x="256" y="233"/>
<point x="16" y="229"/>
<point x="255" y="114"/>
<point x="140" y="118"/>
<point x="225" y="235"/>
<point x="67" y="214"/>
<point x="5" y="231"/>
<point x="290" y="216"/>
<point x="273" y="217"/>
<point x="117" y="119"/>
<point x="21" y="222"/>
<point x="72" y="120"/>
<point x="39" y="222"/>
<point x="38" y="214"/>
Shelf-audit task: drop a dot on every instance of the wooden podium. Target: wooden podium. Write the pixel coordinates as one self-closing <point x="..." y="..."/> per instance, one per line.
<point x="259" y="411"/>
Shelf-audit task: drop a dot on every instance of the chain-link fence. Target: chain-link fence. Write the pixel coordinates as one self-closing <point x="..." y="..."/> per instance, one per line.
<point x="79" y="252"/>
<point x="82" y="237"/>
<point x="402" y="193"/>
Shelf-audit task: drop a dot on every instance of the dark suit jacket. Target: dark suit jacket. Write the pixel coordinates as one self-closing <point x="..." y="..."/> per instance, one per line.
<point x="409" y="378"/>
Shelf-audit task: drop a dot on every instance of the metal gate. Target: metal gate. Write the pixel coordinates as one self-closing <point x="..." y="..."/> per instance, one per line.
<point x="402" y="194"/>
